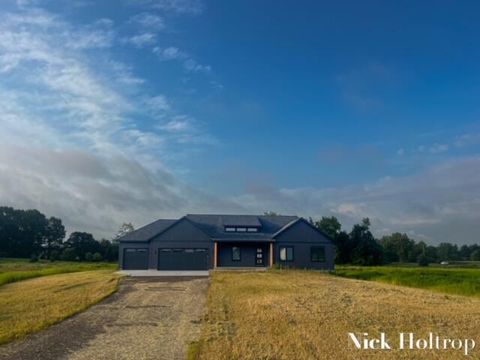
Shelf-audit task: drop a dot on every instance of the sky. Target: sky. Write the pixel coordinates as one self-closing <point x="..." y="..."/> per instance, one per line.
<point x="134" y="110"/>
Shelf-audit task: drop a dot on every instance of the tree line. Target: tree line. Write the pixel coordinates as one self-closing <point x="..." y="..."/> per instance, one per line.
<point x="360" y="247"/>
<point x="30" y="234"/>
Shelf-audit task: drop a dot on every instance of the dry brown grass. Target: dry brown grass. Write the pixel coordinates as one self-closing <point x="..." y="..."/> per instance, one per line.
<point x="31" y="305"/>
<point x="307" y="315"/>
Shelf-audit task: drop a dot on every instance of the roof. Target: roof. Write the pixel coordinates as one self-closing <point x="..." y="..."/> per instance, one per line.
<point x="214" y="227"/>
<point x="148" y="231"/>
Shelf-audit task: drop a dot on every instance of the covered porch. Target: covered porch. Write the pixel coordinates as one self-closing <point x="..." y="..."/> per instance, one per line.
<point x="242" y="254"/>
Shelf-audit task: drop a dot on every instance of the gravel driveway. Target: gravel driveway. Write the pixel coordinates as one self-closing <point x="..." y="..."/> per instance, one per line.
<point x="148" y="318"/>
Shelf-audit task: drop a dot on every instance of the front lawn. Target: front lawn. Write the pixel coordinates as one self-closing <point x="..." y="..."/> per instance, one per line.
<point x="12" y="270"/>
<point x="308" y="315"/>
<point x="31" y="305"/>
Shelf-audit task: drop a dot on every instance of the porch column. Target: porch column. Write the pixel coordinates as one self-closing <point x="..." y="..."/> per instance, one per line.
<point x="215" y="255"/>
<point x="271" y="254"/>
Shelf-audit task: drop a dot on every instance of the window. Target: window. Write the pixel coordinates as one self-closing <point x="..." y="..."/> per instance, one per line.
<point x="235" y="253"/>
<point x="317" y="254"/>
<point x="286" y="253"/>
<point x="240" y="229"/>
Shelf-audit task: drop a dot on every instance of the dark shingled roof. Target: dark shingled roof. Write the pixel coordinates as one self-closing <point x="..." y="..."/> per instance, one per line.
<point x="214" y="227"/>
<point x="148" y="231"/>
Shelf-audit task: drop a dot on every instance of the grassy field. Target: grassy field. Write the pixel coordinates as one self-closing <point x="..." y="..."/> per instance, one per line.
<point x="307" y="315"/>
<point x="461" y="281"/>
<point x="31" y="305"/>
<point x="12" y="270"/>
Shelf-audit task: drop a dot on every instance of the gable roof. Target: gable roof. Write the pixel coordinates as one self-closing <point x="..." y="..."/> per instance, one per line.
<point x="146" y="232"/>
<point x="288" y="226"/>
<point x="214" y="227"/>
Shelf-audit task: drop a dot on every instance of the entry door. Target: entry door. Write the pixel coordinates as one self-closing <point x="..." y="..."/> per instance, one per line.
<point x="260" y="257"/>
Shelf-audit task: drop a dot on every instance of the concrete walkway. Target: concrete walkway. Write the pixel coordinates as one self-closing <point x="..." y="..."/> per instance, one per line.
<point x="157" y="273"/>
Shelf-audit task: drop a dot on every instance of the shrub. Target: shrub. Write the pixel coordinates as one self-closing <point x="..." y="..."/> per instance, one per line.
<point x="475" y="255"/>
<point x="97" y="257"/>
<point x="88" y="256"/>
<point x="422" y="260"/>
<point x="33" y="258"/>
<point x="68" y="254"/>
<point x="54" y="255"/>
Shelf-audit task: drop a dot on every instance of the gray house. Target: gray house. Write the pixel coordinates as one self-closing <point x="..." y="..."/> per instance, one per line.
<point x="202" y="242"/>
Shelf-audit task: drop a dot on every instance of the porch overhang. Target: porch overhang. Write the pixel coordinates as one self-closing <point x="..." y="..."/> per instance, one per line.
<point x="244" y="240"/>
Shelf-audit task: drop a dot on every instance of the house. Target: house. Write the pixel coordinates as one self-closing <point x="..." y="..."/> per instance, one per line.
<point x="202" y="242"/>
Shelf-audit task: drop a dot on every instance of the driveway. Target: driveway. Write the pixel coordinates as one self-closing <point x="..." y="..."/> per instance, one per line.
<point x="148" y="318"/>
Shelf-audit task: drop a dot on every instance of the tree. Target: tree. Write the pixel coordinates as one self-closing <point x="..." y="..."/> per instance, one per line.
<point x="422" y="260"/>
<point x="54" y="235"/>
<point x="475" y="256"/>
<point x="365" y="250"/>
<point x="97" y="257"/>
<point x="330" y="226"/>
<point x="125" y="228"/>
<point x="8" y="231"/>
<point x="109" y="250"/>
<point x="447" y="252"/>
<point x="69" y="254"/>
<point x="398" y="247"/>
<point x="271" y="213"/>
<point x="82" y="243"/>
<point x="343" y="248"/>
<point x="32" y="224"/>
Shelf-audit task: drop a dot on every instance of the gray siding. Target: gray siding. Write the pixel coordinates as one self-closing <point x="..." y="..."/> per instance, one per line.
<point x="181" y="235"/>
<point x="302" y="237"/>
<point x="248" y="253"/>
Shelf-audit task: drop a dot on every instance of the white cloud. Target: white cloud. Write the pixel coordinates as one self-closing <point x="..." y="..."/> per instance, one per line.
<point x="174" y="53"/>
<point x="441" y="203"/>
<point x="70" y="143"/>
<point x="189" y="7"/>
<point x="169" y="53"/>
<point x="177" y="125"/>
<point x="148" y="21"/>
<point x="141" y="40"/>
<point x="158" y="103"/>
<point x="192" y="66"/>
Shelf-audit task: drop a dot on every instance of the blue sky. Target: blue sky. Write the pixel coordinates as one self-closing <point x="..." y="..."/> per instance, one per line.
<point x="139" y="109"/>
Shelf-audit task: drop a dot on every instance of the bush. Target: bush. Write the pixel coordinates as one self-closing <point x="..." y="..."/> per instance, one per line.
<point x="475" y="255"/>
<point x="33" y="258"/>
<point x="422" y="260"/>
<point x="54" y="255"/>
<point x="88" y="256"/>
<point x="97" y="257"/>
<point x="69" y="255"/>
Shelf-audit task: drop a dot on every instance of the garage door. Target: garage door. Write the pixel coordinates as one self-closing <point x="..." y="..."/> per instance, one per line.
<point x="182" y="259"/>
<point x="135" y="259"/>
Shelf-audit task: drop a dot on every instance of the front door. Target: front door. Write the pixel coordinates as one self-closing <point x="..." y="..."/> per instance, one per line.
<point x="260" y="257"/>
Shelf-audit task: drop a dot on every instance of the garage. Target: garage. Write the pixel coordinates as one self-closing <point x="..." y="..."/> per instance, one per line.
<point x="182" y="259"/>
<point x="135" y="259"/>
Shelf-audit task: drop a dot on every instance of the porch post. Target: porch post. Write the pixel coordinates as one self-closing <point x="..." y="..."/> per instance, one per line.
<point x="215" y="255"/>
<point x="271" y="254"/>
